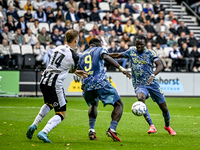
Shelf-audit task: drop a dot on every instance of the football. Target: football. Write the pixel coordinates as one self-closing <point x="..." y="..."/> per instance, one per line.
<point x="139" y="108"/>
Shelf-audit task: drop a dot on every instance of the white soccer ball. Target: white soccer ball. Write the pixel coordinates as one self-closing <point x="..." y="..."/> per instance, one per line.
<point x="139" y="108"/>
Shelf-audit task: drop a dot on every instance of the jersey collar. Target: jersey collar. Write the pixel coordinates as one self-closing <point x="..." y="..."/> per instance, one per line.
<point x="68" y="46"/>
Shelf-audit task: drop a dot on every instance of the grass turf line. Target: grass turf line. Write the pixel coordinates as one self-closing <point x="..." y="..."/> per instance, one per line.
<point x="16" y="114"/>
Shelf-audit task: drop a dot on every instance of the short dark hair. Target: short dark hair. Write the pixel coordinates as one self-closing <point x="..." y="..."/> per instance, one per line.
<point x="94" y="42"/>
<point x="141" y="37"/>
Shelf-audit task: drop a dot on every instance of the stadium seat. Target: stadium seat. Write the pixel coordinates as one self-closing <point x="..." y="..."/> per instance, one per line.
<point x="155" y="16"/>
<point x="22" y="3"/>
<point x="65" y="15"/>
<point x="154" y="38"/>
<point x="122" y="27"/>
<point x="111" y="25"/>
<point x="29" y="24"/>
<point x="190" y="49"/>
<point x="89" y="26"/>
<point x="135" y="16"/>
<point x="21" y="12"/>
<point x="139" y="5"/>
<point x="168" y="23"/>
<point x="55" y="13"/>
<point x="102" y="14"/>
<point x="167" y="50"/>
<point x="75" y="25"/>
<point x="62" y="24"/>
<point x="33" y="13"/>
<point x="27" y="49"/>
<point x="77" y="3"/>
<point x="16" y="53"/>
<point x="29" y="58"/>
<point x="42" y="24"/>
<point x="104" y="6"/>
<point x="132" y="38"/>
<point x="51" y="26"/>
<point x="123" y="6"/>
<point x="15" y="49"/>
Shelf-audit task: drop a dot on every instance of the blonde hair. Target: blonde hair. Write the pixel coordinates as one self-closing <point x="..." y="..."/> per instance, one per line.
<point x="70" y="35"/>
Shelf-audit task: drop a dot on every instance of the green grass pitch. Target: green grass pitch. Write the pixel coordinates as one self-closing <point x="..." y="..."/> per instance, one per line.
<point x="17" y="114"/>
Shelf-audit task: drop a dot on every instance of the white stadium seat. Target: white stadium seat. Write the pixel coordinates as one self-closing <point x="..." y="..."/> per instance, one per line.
<point x="33" y="13"/>
<point x="45" y="25"/>
<point x="135" y="16"/>
<point x="89" y="26"/>
<point x="139" y="5"/>
<point x="22" y="3"/>
<point x="27" y="49"/>
<point x="123" y="6"/>
<point x="122" y="27"/>
<point x="75" y="25"/>
<point x="29" y="24"/>
<point x="21" y="12"/>
<point x="55" y="13"/>
<point x="104" y="6"/>
<point x="190" y="49"/>
<point x="51" y="26"/>
<point x="15" y="49"/>
<point x="102" y="14"/>
<point x="167" y="50"/>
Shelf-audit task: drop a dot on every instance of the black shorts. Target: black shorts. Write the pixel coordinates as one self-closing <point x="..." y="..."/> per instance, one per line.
<point x="54" y="96"/>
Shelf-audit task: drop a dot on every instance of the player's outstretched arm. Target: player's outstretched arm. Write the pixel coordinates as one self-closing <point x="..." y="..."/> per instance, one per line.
<point x="115" y="55"/>
<point x="111" y="61"/>
<point x="159" y="68"/>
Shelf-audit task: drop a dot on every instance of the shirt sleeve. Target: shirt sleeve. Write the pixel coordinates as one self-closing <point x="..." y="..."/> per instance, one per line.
<point x="103" y="51"/>
<point x="154" y="56"/>
<point x="126" y="54"/>
<point x="75" y="58"/>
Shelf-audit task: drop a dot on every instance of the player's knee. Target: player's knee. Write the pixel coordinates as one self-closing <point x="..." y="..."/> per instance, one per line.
<point x="61" y="114"/>
<point x="50" y="106"/>
<point x="141" y="97"/>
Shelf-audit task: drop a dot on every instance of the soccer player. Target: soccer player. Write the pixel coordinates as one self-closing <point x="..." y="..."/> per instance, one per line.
<point x="62" y="60"/>
<point x="143" y="78"/>
<point x="96" y="86"/>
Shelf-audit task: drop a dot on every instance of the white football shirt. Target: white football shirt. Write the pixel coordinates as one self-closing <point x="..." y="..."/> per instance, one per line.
<point x="60" y="63"/>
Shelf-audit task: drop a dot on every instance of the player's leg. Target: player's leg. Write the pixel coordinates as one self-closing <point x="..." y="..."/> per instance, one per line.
<point x="142" y="94"/>
<point x="42" y="113"/>
<point x="166" y="115"/>
<point x="109" y="95"/>
<point x="92" y="101"/>
<point x="116" y="116"/>
<point x="59" y="103"/>
<point x="158" y="97"/>
<point x="52" y="123"/>
<point x="92" y="114"/>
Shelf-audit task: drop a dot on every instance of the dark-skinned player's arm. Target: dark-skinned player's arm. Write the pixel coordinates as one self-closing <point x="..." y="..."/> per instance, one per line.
<point x="115" y="55"/>
<point x="111" y="61"/>
<point x="159" y="68"/>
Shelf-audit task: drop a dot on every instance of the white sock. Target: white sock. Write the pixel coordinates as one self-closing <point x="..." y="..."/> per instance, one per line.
<point x="113" y="130"/>
<point x="43" y="111"/>
<point x="52" y="123"/>
<point x="93" y="130"/>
